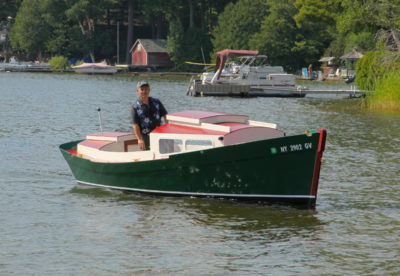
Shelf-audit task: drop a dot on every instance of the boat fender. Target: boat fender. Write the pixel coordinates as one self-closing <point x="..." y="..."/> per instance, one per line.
<point x="221" y="138"/>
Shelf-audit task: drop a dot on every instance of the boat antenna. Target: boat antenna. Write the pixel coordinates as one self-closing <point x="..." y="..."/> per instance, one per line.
<point x="202" y="53"/>
<point x="101" y="122"/>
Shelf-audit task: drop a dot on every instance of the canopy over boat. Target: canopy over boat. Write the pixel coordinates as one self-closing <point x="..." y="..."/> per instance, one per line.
<point x="222" y="56"/>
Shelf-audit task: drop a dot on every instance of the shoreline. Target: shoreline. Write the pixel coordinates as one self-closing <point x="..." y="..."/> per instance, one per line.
<point x="120" y="73"/>
<point x="139" y="73"/>
<point x="142" y="73"/>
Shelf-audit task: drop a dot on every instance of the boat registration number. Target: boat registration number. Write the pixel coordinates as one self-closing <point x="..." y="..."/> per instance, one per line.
<point x="291" y="148"/>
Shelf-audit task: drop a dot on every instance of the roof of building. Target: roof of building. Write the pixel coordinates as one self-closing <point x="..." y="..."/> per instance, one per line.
<point x="354" y="54"/>
<point x="326" y="59"/>
<point x="152" y="45"/>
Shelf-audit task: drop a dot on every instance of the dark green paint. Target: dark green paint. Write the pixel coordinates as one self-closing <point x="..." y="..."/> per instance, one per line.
<point x="250" y="168"/>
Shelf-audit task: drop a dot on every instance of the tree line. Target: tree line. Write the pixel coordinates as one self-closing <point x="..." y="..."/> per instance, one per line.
<point x="292" y="33"/>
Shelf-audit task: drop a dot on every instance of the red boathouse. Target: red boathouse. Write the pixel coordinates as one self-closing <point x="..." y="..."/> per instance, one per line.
<point x="150" y="53"/>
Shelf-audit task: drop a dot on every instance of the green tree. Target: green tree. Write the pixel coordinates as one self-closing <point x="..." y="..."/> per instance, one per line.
<point x="277" y="35"/>
<point x="189" y="32"/>
<point x="364" y="41"/>
<point x="316" y="23"/>
<point x="129" y="38"/>
<point x="30" y="29"/>
<point x="238" y="23"/>
<point x="385" y="14"/>
<point x="336" y="48"/>
<point x="379" y="18"/>
<point x="9" y="8"/>
<point x="56" y="20"/>
<point x="175" y="41"/>
<point x="86" y="13"/>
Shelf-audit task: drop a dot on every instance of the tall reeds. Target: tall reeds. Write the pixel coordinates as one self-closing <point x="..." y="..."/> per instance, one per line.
<point x="386" y="94"/>
<point x="379" y="72"/>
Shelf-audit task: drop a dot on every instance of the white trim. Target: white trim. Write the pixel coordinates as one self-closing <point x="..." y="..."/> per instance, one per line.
<point x="195" y="194"/>
<point x="263" y="124"/>
<point x="187" y="124"/>
<point x="123" y="136"/>
<point x="101" y="138"/>
<point x="215" y="127"/>
<point x="172" y="119"/>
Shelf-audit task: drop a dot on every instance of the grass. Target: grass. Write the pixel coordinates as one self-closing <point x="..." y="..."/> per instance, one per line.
<point x="386" y="96"/>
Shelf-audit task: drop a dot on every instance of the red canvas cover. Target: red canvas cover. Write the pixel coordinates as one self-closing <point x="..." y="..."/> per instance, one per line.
<point x="222" y="56"/>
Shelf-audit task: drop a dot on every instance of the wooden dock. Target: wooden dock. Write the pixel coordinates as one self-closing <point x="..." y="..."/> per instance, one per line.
<point x="349" y="92"/>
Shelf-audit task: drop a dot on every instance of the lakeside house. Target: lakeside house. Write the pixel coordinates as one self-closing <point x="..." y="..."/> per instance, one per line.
<point x="150" y="53"/>
<point x="333" y="70"/>
<point x="329" y="71"/>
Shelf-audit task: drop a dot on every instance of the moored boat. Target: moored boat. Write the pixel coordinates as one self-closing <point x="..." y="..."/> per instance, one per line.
<point x="95" y="68"/>
<point x="204" y="154"/>
<point x="250" y="77"/>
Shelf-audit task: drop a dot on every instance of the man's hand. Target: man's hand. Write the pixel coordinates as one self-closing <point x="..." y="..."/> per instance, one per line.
<point x="136" y="130"/>
<point x="141" y="144"/>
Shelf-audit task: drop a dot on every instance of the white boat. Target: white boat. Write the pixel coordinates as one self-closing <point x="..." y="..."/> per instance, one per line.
<point x="271" y="79"/>
<point x="95" y="68"/>
<point x="13" y="65"/>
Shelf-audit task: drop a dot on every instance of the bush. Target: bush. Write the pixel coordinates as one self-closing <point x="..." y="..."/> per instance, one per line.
<point x="79" y="62"/>
<point x="379" y="72"/>
<point x="60" y="62"/>
<point x="374" y="66"/>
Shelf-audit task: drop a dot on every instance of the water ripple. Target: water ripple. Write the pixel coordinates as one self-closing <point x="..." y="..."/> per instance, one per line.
<point x="47" y="219"/>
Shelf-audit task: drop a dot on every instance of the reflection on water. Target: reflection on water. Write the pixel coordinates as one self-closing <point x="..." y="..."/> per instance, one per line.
<point x="47" y="219"/>
<point x="219" y="213"/>
<point x="202" y="233"/>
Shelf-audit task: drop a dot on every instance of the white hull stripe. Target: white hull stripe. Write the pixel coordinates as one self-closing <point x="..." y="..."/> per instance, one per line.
<point x="196" y="194"/>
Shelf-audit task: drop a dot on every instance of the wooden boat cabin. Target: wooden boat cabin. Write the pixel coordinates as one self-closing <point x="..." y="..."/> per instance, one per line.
<point x="185" y="131"/>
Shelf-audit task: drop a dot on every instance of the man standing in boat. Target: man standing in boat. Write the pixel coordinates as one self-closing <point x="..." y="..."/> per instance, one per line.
<point x="146" y="115"/>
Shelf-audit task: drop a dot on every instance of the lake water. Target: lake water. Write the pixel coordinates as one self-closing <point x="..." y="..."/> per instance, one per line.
<point x="51" y="226"/>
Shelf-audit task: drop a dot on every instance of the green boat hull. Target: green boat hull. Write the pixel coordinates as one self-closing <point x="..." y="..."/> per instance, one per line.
<point x="283" y="169"/>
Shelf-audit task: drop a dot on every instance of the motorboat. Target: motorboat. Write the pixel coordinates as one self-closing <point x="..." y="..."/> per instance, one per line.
<point x="251" y="70"/>
<point x="204" y="154"/>
<point x="248" y="78"/>
<point x="95" y="68"/>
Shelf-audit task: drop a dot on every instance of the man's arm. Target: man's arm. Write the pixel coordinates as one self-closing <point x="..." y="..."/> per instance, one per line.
<point x="136" y="130"/>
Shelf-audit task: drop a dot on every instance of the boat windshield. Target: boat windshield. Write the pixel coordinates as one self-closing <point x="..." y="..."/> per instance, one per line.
<point x="257" y="61"/>
<point x="244" y="61"/>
